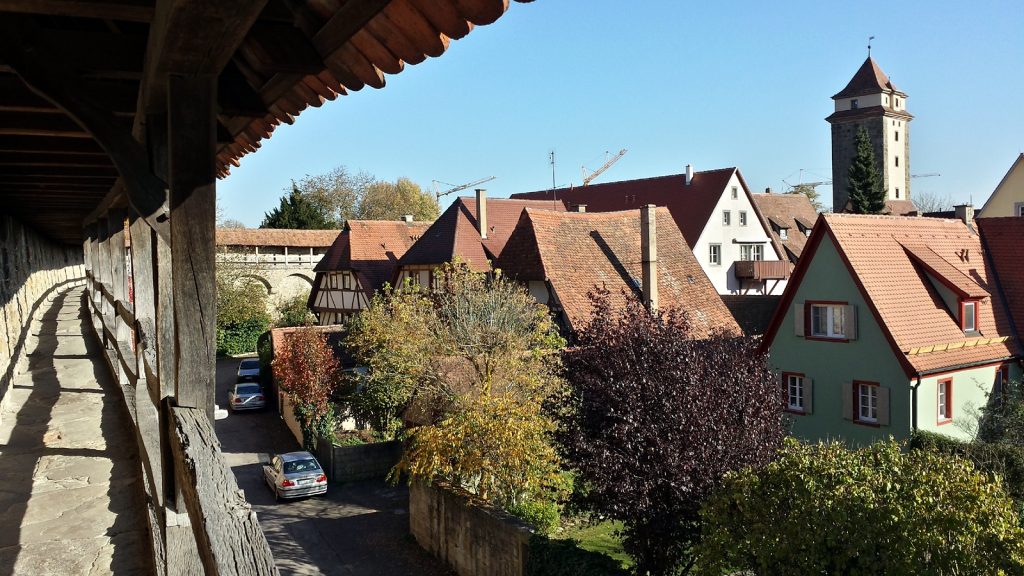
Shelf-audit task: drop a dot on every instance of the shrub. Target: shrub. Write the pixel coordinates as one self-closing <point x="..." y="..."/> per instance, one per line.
<point x="543" y="515"/>
<point x="826" y="509"/>
<point x="240" y="337"/>
<point x="293" y="312"/>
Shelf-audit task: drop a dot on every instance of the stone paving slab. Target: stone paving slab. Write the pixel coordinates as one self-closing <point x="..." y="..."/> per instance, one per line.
<point x="71" y="499"/>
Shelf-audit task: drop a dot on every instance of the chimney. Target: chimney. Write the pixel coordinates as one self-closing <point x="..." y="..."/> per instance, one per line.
<point x="689" y="174"/>
<point x="964" y="212"/>
<point x="649" y="251"/>
<point x="407" y="218"/>
<point x="481" y="211"/>
<point x="768" y="190"/>
<point x="581" y="207"/>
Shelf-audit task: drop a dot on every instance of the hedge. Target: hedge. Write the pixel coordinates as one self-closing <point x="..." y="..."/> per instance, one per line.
<point x="1006" y="460"/>
<point x="555" y="557"/>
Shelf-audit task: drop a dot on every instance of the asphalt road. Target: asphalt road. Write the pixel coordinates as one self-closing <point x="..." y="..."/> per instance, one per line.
<point x="358" y="529"/>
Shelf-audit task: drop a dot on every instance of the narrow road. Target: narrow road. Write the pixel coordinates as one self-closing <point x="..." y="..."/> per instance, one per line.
<point x="358" y="529"/>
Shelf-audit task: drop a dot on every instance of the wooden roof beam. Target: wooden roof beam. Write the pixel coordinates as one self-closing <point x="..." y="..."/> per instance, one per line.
<point x="16" y="97"/>
<point x="349" y="19"/>
<point x="45" y="145"/>
<point x="127" y="10"/>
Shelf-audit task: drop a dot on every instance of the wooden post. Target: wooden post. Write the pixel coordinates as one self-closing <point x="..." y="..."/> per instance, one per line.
<point x="192" y="140"/>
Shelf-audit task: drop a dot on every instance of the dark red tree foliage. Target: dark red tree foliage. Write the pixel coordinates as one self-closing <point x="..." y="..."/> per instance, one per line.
<point x="655" y="418"/>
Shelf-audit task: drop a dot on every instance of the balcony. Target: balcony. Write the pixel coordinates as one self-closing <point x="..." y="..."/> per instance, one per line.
<point x="759" y="270"/>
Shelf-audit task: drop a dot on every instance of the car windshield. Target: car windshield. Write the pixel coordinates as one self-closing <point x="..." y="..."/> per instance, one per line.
<point x="301" y="466"/>
<point x="249" y="365"/>
<point x="247" y="389"/>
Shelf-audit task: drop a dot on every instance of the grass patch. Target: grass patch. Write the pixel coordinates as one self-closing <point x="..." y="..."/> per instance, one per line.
<point x="600" y="538"/>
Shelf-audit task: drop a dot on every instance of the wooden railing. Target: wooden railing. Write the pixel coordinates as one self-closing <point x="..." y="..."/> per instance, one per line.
<point x="762" y="269"/>
<point x="199" y="519"/>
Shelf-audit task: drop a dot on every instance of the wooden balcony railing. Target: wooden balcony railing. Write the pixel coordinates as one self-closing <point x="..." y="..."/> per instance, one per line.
<point x="759" y="270"/>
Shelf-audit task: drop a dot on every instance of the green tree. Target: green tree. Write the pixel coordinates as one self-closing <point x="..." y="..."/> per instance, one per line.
<point x="296" y="211"/>
<point x="294" y="312"/>
<point x="864" y="181"/>
<point x="241" y="311"/>
<point x="826" y="509"/>
<point x="306" y="368"/>
<point x="390" y="201"/>
<point x="1002" y="420"/>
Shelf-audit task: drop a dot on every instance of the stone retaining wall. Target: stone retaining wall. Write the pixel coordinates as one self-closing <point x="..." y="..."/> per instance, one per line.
<point x="472" y="537"/>
<point x="31" y="270"/>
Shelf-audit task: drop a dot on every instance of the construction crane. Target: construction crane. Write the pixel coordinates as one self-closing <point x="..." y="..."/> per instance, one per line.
<point x="928" y="175"/>
<point x="455" y="188"/>
<point x="607" y="165"/>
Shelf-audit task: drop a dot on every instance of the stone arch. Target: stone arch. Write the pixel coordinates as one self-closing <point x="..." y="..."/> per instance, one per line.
<point x="261" y="280"/>
<point x="305" y="277"/>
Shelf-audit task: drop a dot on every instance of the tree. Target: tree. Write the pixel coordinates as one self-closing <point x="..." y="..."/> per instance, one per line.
<point x="864" y="181"/>
<point x="337" y="193"/>
<point x="811" y="192"/>
<point x="241" y="311"/>
<point x="654" y="418"/>
<point x="1002" y="420"/>
<point x="294" y="312"/>
<point x="231" y="223"/>
<point x="296" y="211"/>
<point x="826" y="509"/>
<point x="305" y="367"/>
<point x="931" y="202"/>
<point x="390" y="201"/>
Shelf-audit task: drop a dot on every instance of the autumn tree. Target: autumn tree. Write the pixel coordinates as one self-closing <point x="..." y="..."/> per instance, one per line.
<point x="812" y="194"/>
<point x="864" y="181"/>
<point x="655" y="417"/>
<point x="392" y="200"/>
<point x="296" y="211"/>
<point x="306" y="368"/>
<point x="826" y="509"/>
<point x="337" y="193"/>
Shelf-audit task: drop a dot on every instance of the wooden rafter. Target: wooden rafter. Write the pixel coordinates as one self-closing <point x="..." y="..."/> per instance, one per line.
<point x="127" y="10"/>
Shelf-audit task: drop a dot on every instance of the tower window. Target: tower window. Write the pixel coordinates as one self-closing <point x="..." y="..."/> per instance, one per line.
<point x="897" y="160"/>
<point x="897" y="135"/>
<point x="897" y="193"/>
<point x="854" y="104"/>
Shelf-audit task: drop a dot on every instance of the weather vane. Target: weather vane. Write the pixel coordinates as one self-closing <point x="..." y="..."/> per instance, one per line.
<point x="870" y="38"/>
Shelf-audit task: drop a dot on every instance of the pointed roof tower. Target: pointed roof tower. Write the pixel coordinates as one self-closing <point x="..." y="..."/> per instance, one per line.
<point x="869" y="79"/>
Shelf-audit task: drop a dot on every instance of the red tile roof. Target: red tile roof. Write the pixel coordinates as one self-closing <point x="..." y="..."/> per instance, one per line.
<point x="869" y="79"/>
<point x="578" y="252"/>
<point x="909" y="309"/>
<point x="787" y="210"/>
<point x="691" y="206"/>
<point x="1003" y="239"/>
<point x="275" y="237"/>
<point x="455" y="234"/>
<point x="371" y="248"/>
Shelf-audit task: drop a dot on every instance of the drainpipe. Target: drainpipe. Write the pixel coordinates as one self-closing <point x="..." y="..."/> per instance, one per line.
<point x="649" y="252"/>
<point x="913" y="404"/>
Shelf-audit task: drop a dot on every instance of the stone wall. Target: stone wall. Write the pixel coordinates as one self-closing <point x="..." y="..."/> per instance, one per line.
<point x="472" y="537"/>
<point x="844" y="148"/>
<point x="360" y="462"/>
<point x="32" y="269"/>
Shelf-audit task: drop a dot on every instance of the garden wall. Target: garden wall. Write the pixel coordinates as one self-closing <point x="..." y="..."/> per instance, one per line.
<point x="32" y="270"/>
<point x="359" y="462"/>
<point x="472" y="537"/>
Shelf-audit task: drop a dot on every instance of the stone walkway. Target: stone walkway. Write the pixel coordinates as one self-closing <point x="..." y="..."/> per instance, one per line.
<point x="70" y="493"/>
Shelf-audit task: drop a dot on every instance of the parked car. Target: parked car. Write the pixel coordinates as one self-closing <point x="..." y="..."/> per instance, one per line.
<point x="246" y="396"/>
<point x="249" y="370"/>
<point x="294" y="475"/>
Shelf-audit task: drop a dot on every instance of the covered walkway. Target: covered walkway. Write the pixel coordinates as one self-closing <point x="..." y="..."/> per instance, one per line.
<point x="70" y="485"/>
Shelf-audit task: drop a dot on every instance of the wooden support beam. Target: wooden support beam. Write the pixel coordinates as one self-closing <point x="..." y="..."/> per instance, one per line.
<point x="48" y="125"/>
<point x="191" y="129"/>
<point x="348" y="20"/>
<point x="127" y="10"/>
<point x="75" y="172"/>
<point x="40" y="66"/>
<point x="236" y="97"/>
<point x="274" y="48"/>
<point x="17" y="158"/>
<point x="119" y="97"/>
<point x="41" y="145"/>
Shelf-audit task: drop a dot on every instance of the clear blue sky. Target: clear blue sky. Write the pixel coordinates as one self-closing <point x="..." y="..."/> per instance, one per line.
<point x="715" y="84"/>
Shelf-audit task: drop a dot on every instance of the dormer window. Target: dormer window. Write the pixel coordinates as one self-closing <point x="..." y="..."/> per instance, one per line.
<point x="854" y="104"/>
<point x="784" y="233"/>
<point x="969" y="316"/>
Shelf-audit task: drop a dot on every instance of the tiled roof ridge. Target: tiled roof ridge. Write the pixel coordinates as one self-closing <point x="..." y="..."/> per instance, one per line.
<point x="647" y="179"/>
<point x="394" y="222"/>
<point x="552" y="214"/>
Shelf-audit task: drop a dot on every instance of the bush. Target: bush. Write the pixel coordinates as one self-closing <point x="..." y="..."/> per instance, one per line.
<point x="1004" y="460"/>
<point x="550" y="557"/>
<point x="826" y="509"/>
<point x="240" y="337"/>
<point x="543" y="515"/>
<point x="293" y="312"/>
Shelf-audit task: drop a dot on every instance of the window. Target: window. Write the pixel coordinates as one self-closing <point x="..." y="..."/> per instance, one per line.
<point x="945" y="414"/>
<point x="735" y="192"/>
<point x="334" y="281"/>
<point x="854" y="104"/>
<point x="828" y="320"/>
<point x="897" y="135"/>
<point x="726" y="217"/>
<point x="1002" y="378"/>
<point x="715" y="254"/>
<point x="897" y="193"/>
<point x="867" y="402"/>
<point x="743" y="217"/>
<point x="1018" y="208"/>
<point x="784" y="233"/>
<point x="795" y="396"/>
<point x="751" y="252"/>
<point x="969" y="316"/>
<point x="897" y="158"/>
<point x="346" y="281"/>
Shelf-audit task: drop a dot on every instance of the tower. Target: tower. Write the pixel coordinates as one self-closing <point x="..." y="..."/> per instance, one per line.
<point x="871" y="101"/>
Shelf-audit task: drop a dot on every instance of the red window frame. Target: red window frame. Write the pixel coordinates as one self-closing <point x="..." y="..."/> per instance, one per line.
<point x="856" y="403"/>
<point x="946" y="384"/>
<point x="963" y="306"/>
<point x="808" y="320"/>
<point x="785" y="385"/>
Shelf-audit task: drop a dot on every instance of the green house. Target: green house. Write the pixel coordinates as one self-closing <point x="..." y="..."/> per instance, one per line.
<point x="891" y="324"/>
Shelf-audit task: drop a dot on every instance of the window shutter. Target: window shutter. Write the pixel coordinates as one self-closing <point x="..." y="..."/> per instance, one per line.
<point x="798" y="318"/>
<point x="808" y="396"/>
<point x="847" y="400"/>
<point x="851" y="322"/>
<point x="883" y="406"/>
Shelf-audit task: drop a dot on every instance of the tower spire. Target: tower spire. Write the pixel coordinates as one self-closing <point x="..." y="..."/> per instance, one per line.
<point x="870" y="38"/>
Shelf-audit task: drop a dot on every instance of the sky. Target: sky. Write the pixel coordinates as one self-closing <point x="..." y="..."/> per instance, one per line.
<point x="712" y="84"/>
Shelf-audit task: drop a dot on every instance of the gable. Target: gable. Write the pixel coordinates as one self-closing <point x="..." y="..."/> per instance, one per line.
<point x="1008" y="194"/>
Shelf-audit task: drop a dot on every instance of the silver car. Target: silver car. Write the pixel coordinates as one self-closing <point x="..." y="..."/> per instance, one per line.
<point x="246" y="396"/>
<point x="249" y="369"/>
<point x="294" y="475"/>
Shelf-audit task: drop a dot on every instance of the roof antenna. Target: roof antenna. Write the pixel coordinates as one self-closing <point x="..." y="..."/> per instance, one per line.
<point x="870" y="38"/>
<point x="554" y="193"/>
